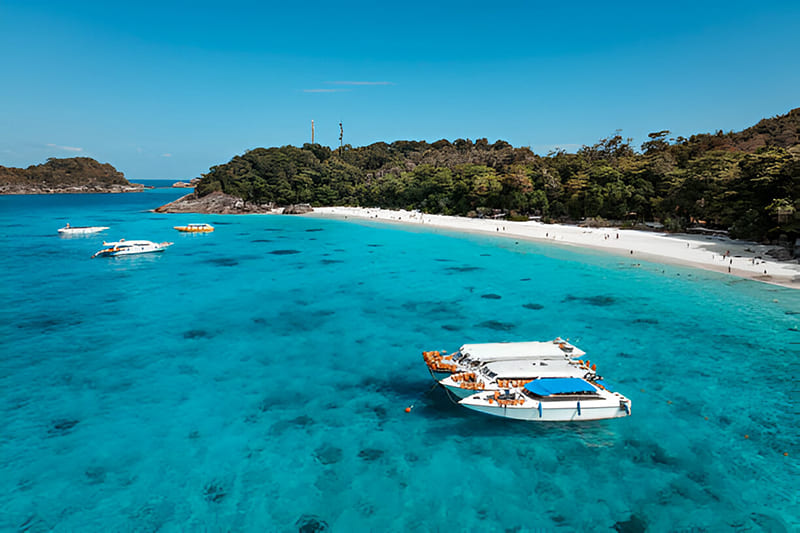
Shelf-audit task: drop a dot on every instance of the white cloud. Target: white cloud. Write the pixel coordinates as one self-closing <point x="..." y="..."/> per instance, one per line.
<point x="359" y="82"/>
<point x="326" y="90"/>
<point x="65" y="148"/>
<point x="166" y="155"/>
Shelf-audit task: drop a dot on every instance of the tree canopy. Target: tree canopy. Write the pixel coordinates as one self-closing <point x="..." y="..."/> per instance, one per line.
<point x="746" y="182"/>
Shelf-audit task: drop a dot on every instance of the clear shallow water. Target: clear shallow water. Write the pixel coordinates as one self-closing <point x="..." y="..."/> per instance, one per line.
<point x="256" y="378"/>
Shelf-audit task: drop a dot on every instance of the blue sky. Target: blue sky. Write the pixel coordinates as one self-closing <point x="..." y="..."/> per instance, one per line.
<point x="168" y="89"/>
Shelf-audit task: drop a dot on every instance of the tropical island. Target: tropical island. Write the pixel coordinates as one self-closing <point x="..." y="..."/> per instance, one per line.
<point x="743" y="184"/>
<point x="70" y="175"/>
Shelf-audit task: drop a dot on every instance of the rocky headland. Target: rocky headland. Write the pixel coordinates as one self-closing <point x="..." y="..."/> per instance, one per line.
<point x="61" y="176"/>
<point x="219" y="203"/>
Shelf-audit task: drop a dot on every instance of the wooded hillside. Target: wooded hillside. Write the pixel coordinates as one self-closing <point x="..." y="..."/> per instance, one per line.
<point x="746" y="182"/>
<point x="76" y="174"/>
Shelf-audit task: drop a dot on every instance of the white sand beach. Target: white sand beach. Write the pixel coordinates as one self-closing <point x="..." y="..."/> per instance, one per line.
<point x="720" y="254"/>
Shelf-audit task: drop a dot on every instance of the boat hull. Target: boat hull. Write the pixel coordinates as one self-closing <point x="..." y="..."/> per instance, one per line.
<point x="127" y="252"/>
<point x="439" y="375"/>
<point x="82" y="230"/>
<point x="187" y="229"/>
<point x="550" y="413"/>
<point x="458" y="392"/>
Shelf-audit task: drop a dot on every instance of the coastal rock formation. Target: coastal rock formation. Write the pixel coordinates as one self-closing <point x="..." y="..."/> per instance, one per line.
<point x="297" y="209"/>
<point x="185" y="185"/>
<point x="217" y="203"/>
<point x="72" y="175"/>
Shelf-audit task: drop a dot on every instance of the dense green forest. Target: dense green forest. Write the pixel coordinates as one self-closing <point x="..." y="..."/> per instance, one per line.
<point x="74" y="171"/>
<point x="745" y="182"/>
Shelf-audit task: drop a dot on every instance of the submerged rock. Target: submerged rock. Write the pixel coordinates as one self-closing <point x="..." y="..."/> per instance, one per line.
<point x="222" y="261"/>
<point x="634" y="524"/>
<point x="463" y="268"/>
<point x="95" y="475"/>
<point x="195" y="334"/>
<point x="310" y="524"/>
<point x="599" y="300"/>
<point x="328" y="454"/>
<point x="284" y="252"/>
<point x="497" y="325"/>
<point x="370" y="454"/>
<point x="214" y="493"/>
<point x="62" y="427"/>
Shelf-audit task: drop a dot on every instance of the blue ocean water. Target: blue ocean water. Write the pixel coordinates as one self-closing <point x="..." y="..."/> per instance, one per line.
<point x="256" y="379"/>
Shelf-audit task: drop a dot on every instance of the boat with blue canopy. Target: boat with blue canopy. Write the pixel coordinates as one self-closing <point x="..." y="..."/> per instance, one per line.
<point x="497" y="375"/>
<point x="552" y="399"/>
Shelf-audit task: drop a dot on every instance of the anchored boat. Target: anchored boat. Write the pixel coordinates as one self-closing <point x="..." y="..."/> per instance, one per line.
<point x="195" y="228"/>
<point x="551" y="399"/>
<point x="536" y="381"/>
<point x="471" y="356"/>
<point x="498" y="375"/>
<point x="123" y="247"/>
<point x="81" y="230"/>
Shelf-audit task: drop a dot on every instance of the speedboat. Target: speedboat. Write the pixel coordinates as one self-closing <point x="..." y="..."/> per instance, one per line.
<point x="471" y="356"/>
<point x="81" y="230"/>
<point x="498" y="375"/>
<point x="123" y="247"/>
<point x="552" y="399"/>
<point x="195" y="228"/>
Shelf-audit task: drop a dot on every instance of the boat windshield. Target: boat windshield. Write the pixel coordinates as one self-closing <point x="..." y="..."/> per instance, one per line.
<point x="458" y="356"/>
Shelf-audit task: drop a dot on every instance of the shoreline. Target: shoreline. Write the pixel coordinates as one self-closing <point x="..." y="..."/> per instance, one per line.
<point x="717" y="254"/>
<point x="79" y="189"/>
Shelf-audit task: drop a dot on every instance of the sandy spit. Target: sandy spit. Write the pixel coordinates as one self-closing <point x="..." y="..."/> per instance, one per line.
<point x="720" y="254"/>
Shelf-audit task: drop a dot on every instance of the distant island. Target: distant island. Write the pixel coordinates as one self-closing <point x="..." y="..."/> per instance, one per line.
<point x="70" y="175"/>
<point x="745" y="184"/>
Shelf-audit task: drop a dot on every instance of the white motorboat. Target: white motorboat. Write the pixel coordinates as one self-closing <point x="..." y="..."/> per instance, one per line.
<point x="552" y="399"/>
<point x="470" y="356"/>
<point x="500" y="375"/>
<point x="123" y="247"/>
<point x="81" y="230"/>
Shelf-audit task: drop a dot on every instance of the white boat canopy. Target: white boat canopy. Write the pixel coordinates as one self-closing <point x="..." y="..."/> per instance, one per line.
<point x="526" y="368"/>
<point x="500" y="351"/>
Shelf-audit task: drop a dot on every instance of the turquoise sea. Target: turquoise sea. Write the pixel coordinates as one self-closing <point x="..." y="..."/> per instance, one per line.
<point x="256" y="379"/>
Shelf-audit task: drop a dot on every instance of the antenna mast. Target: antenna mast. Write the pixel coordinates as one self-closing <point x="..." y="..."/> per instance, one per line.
<point x="312" y="132"/>
<point x="341" y="135"/>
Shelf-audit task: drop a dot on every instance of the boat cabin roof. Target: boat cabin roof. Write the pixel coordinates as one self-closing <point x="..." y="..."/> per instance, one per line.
<point x="526" y="368"/>
<point x="549" y="386"/>
<point x="499" y="351"/>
